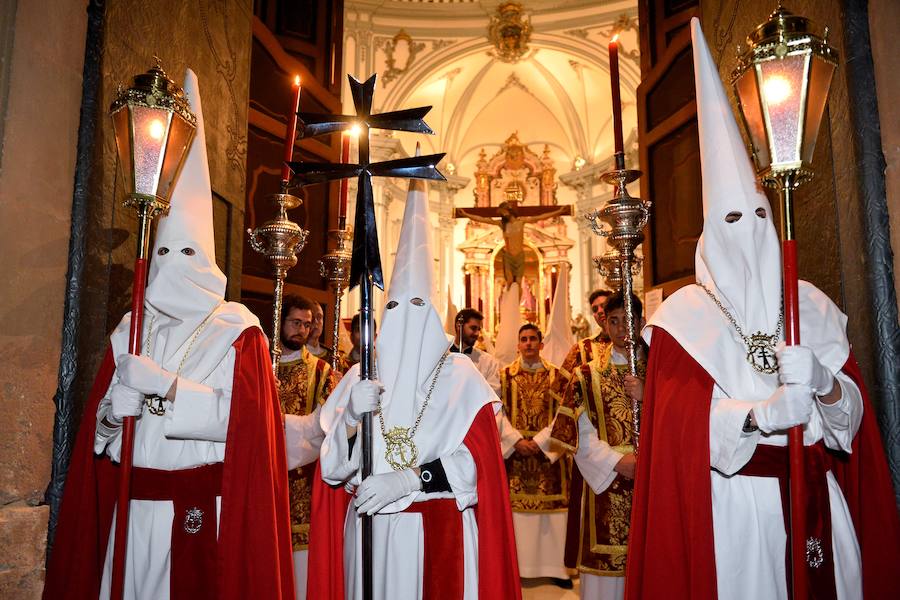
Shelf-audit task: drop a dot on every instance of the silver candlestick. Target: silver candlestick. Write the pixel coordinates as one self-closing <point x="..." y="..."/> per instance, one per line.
<point x="626" y="218"/>
<point x="280" y="240"/>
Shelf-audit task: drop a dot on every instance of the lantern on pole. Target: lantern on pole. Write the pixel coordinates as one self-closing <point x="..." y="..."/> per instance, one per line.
<point x="781" y="83"/>
<point x="154" y="127"/>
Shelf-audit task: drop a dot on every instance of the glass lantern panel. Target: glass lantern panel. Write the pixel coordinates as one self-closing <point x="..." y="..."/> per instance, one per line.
<point x="820" y="75"/>
<point x="122" y="128"/>
<point x="180" y="135"/>
<point x="747" y="92"/>
<point x="151" y="127"/>
<point x="783" y="94"/>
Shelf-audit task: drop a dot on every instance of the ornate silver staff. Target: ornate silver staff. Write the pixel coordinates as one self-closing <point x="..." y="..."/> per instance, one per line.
<point x="626" y="217"/>
<point x="335" y="267"/>
<point x="280" y="240"/>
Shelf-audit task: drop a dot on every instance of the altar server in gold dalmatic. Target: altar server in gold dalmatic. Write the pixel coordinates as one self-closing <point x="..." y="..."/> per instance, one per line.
<point x="595" y="423"/>
<point x="538" y="480"/>
<point x="305" y="382"/>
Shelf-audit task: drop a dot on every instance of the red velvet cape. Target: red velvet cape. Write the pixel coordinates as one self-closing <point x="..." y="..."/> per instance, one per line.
<point x="254" y="557"/>
<point x="671" y="551"/>
<point x="498" y="566"/>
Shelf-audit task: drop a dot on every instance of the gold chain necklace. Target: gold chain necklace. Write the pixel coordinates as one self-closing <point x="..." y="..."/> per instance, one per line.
<point x="401" y="451"/>
<point x="760" y="346"/>
<point x="156" y="404"/>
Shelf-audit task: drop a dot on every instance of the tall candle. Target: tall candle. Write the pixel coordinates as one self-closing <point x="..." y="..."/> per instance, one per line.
<point x="616" y="95"/>
<point x="345" y="158"/>
<point x="291" y="133"/>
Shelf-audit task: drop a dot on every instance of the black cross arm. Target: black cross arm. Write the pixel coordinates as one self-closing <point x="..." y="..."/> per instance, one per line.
<point x="415" y="167"/>
<point x="315" y="124"/>
<point x="410" y="119"/>
<point x="315" y="172"/>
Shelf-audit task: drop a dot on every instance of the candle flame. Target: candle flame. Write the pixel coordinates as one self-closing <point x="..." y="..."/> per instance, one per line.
<point x="615" y="39"/>
<point x="296" y="80"/>
<point x="777" y="89"/>
<point x="354" y="131"/>
<point x="157" y="129"/>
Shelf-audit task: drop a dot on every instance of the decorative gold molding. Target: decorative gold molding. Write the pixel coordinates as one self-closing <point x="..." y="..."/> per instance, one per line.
<point x="510" y="31"/>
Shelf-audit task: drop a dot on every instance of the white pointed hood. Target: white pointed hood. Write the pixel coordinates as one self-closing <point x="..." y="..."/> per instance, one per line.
<point x="182" y="286"/>
<point x="740" y="262"/>
<point x="412" y="339"/>
<point x="559" y="338"/>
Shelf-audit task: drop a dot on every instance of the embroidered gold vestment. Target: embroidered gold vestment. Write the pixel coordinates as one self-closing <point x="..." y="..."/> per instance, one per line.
<point x="584" y="352"/>
<point x="530" y="399"/>
<point x="304" y="384"/>
<point x="598" y="388"/>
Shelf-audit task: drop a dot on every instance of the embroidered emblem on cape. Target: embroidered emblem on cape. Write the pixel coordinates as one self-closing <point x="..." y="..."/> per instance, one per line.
<point x="815" y="555"/>
<point x="193" y="520"/>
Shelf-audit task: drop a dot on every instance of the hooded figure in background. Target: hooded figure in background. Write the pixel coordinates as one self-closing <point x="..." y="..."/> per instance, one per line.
<point x="441" y="516"/>
<point x="209" y="509"/>
<point x="709" y="517"/>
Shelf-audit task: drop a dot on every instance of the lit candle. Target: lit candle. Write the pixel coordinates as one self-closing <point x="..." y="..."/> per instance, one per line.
<point x="616" y="95"/>
<point x="345" y="158"/>
<point x="291" y="133"/>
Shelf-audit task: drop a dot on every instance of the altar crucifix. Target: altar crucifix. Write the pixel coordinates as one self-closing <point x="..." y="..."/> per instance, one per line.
<point x="511" y="219"/>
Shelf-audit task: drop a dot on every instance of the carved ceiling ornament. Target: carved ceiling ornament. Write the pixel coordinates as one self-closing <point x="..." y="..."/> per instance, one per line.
<point x="510" y="31"/>
<point x="402" y="43"/>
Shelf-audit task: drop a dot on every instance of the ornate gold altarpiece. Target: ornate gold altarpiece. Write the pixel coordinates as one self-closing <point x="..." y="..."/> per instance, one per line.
<point x="514" y="172"/>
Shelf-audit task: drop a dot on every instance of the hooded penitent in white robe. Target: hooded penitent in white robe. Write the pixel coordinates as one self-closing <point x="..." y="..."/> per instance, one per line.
<point x="740" y="263"/>
<point x="185" y="295"/>
<point x="410" y="345"/>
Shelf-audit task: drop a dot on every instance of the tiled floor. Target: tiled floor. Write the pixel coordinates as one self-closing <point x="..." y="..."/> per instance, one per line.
<point x="542" y="589"/>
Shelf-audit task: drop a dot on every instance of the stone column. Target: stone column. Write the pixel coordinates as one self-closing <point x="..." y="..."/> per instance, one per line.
<point x="41" y="63"/>
<point x="445" y="252"/>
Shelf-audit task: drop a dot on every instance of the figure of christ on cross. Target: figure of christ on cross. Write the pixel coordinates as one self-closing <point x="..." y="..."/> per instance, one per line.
<point x="511" y="219"/>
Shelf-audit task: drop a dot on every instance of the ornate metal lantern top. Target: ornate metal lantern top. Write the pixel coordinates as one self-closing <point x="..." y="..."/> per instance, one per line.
<point x="781" y="83"/>
<point x="154" y="127"/>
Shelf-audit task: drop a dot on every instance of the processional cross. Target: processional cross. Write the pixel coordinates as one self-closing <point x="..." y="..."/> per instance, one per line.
<point x="365" y="266"/>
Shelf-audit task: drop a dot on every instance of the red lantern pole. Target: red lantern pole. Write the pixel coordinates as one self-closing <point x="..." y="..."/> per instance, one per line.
<point x="797" y="483"/>
<point x="147" y="209"/>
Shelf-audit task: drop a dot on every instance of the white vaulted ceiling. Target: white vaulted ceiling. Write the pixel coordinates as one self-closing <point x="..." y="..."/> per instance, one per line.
<point x="557" y="94"/>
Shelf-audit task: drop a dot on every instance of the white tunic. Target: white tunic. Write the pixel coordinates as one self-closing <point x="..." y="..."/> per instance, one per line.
<point x="192" y="433"/>
<point x="398" y="540"/>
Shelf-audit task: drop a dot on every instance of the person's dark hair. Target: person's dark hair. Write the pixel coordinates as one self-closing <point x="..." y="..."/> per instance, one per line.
<point x="292" y="301"/>
<point x="354" y="323"/>
<point x="617" y="300"/>
<point x="466" y="315"/>
<point x="537" y="330"/>
<point x="596" y="293"/>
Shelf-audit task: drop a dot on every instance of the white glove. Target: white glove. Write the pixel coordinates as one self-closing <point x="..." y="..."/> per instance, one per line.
<point x="363" y="398"/>
<point x="790" y="405"/>
<point x="798" y="364"/>
<point x="124" y="402"/>
<point x="144" y="375"/>
<point x="377" y="491"/>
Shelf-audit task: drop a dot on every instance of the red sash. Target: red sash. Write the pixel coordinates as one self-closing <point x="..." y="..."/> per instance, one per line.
<point x="444" y="576"/>
<point x="772" y="461"/>
<point x="192" y="570"/>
